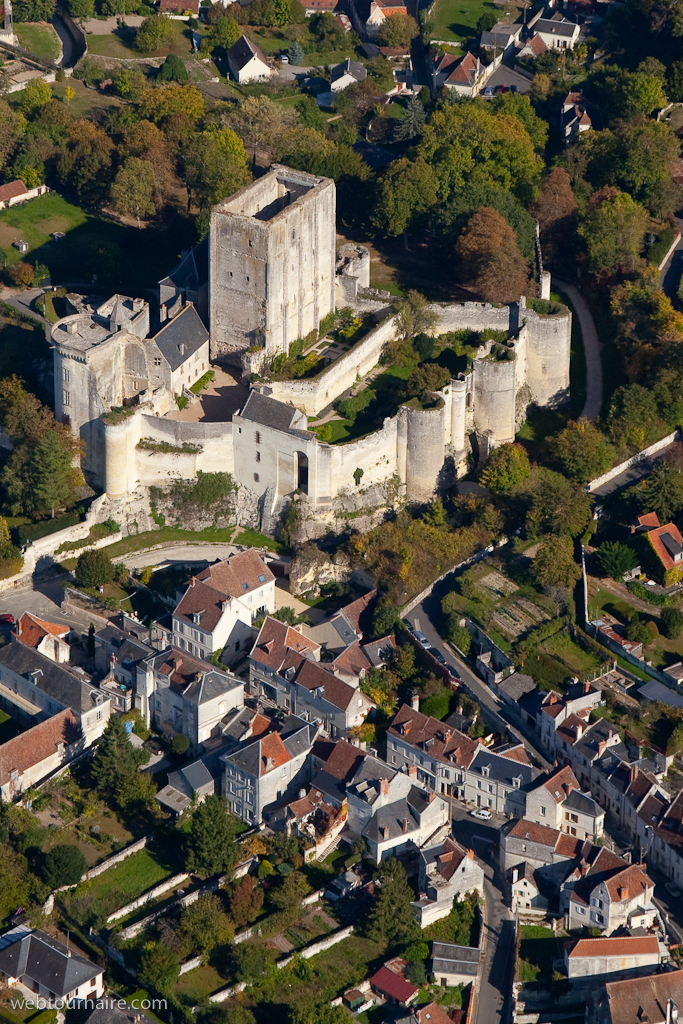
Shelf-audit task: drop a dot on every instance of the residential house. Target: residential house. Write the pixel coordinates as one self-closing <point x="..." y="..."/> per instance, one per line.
<point x="526" y="889"/>
<point x="501" y="38"/>
<point x="622" y="788"/>
<point x="247" y="62"/>
<point x="608" y="894"/>
<point x="666" y="545"/>
<point x="337" y="770"/>
<point x="646" y="522"/>
<point x="118" y="654"/>
<point x="659" y="830"/>
<point x="186" y="787"/>
<point x="613" y="958"/>
<point x="46" y="967"/>
<point x="559" y="802"/>
<point x="581" y="745"/>
<point x="380" y="10"/>
<point x="183" y="342"/>
<point x="545" y="849"/>
<point x="269" y="770"/>
<point x="654" y="999"/>
<point x="47" y="638"/>
<point x="464" y="75"/>
<point x="392" y="984"/>
<point x="452" y="764"/>
<point x="14" y="192"/>
<point x="454" y="965"/>
<point x="360" y="658"/>
<point x="555" y="710"/>
<point x="512" y="688"/>
<point x="532" y="47"/>
<point x="447" y="872"/>
<point x="307" y="816"/>
<point x="188" y="696"/>
<point x="31" y="756"/>
<point x="431" y="1013"/>
<point x="34" y="687"/>
<point x="557" y="32"/>
<point x="220" y="604"/>
<point x="349" y="72"/>
<point x="348" y="624"/>
<point x="283" y="667"/>
<point x="574" y="120"/>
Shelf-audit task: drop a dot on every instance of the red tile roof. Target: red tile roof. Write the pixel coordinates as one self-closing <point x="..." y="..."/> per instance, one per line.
<point x="432" y="1014"/>
<point x="181" y="5"/>
<point x="655" y="538"/>
<point x="542" y="834"/>
<point x="38" y="743"/>
<point x="643" y="999"/>
<point x="344" y="760"/>
<point x="359" y="612"/>
<point x="629" y="884"/>
<point x="449" y="745"/>
<point x="465" y="72"/>
<point x="537" y="46"/>
<point x="237" y="575"/>
<point x="650" y="519"/>
<point x="273" y="753"/>
<point x="515" y="754"/>
<point x="12" y="189"/>
<point x="393" y="985"/>
<point x="560" y="784"/>
<point x="627" y="945"/>
<point x="31" y="630"/>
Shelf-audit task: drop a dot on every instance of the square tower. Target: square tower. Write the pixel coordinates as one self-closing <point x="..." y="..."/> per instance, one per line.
<point x="271" y="263"/>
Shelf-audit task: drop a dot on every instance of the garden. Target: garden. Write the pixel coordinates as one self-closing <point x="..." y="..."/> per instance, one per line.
<point x="537" y="948"/>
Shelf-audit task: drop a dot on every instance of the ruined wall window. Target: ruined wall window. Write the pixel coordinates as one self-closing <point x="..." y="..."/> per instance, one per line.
<point x="258" y="456"/>
<point x="67" y="375"/>
<point x="257" y="436"/>
<point x="66" y="398"/>
<point x="256" y="477"/>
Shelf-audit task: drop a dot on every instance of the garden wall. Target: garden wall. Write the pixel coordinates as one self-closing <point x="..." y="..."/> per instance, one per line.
<point x="320" y="945"/>
<point x="147" y="897"/>
<point x="116" y="858"/>
<point x="643" y="456"/>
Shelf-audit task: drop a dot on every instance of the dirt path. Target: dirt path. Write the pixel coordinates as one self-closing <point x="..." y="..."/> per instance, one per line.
<point x="620" y="591"/>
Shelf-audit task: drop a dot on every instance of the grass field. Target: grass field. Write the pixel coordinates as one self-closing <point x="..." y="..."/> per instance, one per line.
<point x="456" y="20"/>
<point x="538" y="949"/>
<point x="118" y="44"/>
<point x="570" y="654"/>
<point x="85" y="99"/>
<point x="40" y="38"/>
<point x="196" y="985"/>
<point x="133" y="876"/>
<point x="92" y="244"/>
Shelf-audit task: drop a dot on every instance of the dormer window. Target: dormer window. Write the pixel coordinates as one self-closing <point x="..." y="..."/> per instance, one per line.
<point x="245" y="586"/>
<point x="486" y="770"/>
<point x="517" y="782"/>
<point x="181" y="348"/>
<point x="262" y="578"/>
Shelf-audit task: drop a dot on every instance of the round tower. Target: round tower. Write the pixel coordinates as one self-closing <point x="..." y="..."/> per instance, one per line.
<point x="425" y="444"/>
<point x="494" y="395"/>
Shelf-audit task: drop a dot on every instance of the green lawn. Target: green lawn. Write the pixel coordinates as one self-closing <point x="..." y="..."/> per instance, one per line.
<point x="570" y="654"/>
<point x="40" y="38"/>
<point x="663" y="652"/>
<point x="456" y="20"/>
<point x="8" y="728"/>
<point x="118" y="44"/>
<point x="133" y="876"/>
<point x="537" y="951"/>
<point x="254" y="539"/>
<point x="142" y="541"/>
<point x="196" y="985"/>
<point x="85" y="99"/>
<point x="93" y="244"/>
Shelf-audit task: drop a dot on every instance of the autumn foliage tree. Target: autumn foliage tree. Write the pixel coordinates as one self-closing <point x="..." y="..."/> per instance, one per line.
<point x="246" y="901"/>
<point x="491" y="262"/>
<point x="555" y="210"/>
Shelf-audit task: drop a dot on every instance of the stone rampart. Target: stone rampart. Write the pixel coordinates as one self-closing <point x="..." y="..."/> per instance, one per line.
<point x="475" y="316"/>
<point x="375" y="455"/>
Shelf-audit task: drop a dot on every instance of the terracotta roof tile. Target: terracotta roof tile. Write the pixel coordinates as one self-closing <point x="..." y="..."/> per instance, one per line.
<point x="12" y="189"/>
<point x="38" y="743"/>
<point x="542" y="834"/>
<point x="343" y="762"/>
<point x="640" y="999"/>
<point x="31" y="630"/>
<point x="449" y="745"/>
<point x="627" y="945"/>
<point x="656" y="538"/>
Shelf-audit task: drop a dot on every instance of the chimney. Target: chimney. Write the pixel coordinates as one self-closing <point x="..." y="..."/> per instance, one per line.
<point x="515" y="875"/>
<point x="586" y="687"/>
<point x="431" y="797"/>
<point x="412" y="771"/>
<point x="193" y="580"/>
<point x="602" y="746"/>
<point x="385" y="832"/>
<point x="633" y="773"/>
<point x="470" y="854"/>
<point x="579" y="731"/>
<point x="415" y="701"/>
<point x="384" y="787"/>
<point x="163" y="313"/>
<point x="404" y="825"/>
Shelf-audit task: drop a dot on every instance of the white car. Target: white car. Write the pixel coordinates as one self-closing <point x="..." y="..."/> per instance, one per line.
<point x="481" y="813"/>
<point x="284" y="59"/>
<point x="673" y="889"/>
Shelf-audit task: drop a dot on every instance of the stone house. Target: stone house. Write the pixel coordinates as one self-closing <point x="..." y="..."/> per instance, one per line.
<point x="612" y="959"/>
<point x="453" y="964"/>
<point x="188" y="696"/>
<point x="526" y="887"/>
<point x="574" y="120"/>
<point x="247" y="62"/>
<point x="220" y="603"/>
<point x="502" y="37"/>
<point x="14" y="192"/>
<point x="48" y="638"/>
<point x="185" y="787"/>
<point x="34" y="687"/>
<point x="555" y="710"/>
<point x="557" y="32"/>
<point x="655" y="999"/>
<point x="447" y="871"/>
<point x="380" y="10"/>
<point x="608" y="894"/>
<point x="338" y="769"/>
<point x="559" y="802"/>
<point x="283" y="666"/>
<point x="349" y="72"/>
<point x="431" y="1013"/>
<point x="47" y="968"/>
<point x="666" y="546"/>
<point x="31" y="756"/>
<point x="268" y="771"/>
<point x="545" y="849"/>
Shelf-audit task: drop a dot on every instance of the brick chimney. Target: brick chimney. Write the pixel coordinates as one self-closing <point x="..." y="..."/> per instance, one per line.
<point x="633" y="773"/>
<point x="415" y="701"/>
<point x="404" y="825"/>
<point x="412" y="771"/>
<point x="384" y="787"/>
<point x="470" y="854"/>
<point x="602" y="746"/>
<point x="432" y="797"/>
<point x="586" y="687"/>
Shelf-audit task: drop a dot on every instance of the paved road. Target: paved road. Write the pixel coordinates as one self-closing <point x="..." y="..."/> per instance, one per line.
<point x="634" y="473"/>
<point x="22" y="303"/>
<point x="591" y="348"/>
<point x="424" y="617"/>
<point x="670" y="275"/>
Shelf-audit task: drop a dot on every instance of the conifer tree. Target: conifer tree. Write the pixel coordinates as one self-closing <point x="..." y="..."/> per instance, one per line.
<point x="115" y="759"/>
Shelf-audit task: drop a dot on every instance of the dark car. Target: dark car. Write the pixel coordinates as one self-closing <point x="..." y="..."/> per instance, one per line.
<point x="6" y="619"/>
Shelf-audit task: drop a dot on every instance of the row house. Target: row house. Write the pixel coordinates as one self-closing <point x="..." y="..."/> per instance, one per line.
<point x="452" y="764"/>
<point x="447" y="872"/>
<point x="654" y="999"/>
<point x="608" y="894"/>
<point x="559" y="802"/>
<point x="220" y="604"/>
<point x="48" y="638"/>
<point x="284" y="667"/>
<point x="659" y="833"/>
<point x="30" y="757"/>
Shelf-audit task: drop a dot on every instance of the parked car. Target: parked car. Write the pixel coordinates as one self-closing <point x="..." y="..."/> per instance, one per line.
<point x="284" y="59"/>
<point x="673" y="889"/>
<point x="155" y="745"/>
<point x="6" y="619"/>
<point x="408" y="624"/>
<point x="422" y="640"/>
<point x="439" y="657"/>
<point x="488" y="92"/>
<point x="481" y="813"/>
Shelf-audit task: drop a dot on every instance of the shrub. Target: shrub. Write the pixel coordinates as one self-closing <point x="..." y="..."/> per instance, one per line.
<point x="146" y="575"/>
<point x="265" y="869"/>
<point x="94" y="569"/>
<point x="672" y="621"/>
<point x="180" y="744"/>
<point x="63" y="865"/>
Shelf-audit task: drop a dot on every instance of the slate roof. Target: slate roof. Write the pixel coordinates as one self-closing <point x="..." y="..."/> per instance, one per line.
<point x="192" y="270"/>
<point x="582" y="803"/>
<point x="449" y="958"/>
<point x="69" y="688"/>
<point x="12" y="189"/>
<point x="241" y="52"/>
<point x="555" y="28"/>
<point x="388" y="821"/>
<point x="272" y="751"/>
<point x="197" y="681"/>
<point x="271" y="413"/>
<point x="38" y="743"/>
<point x="348" y="67"/>
<point x="182" y="336"/>
<point x="502" y="769"/>
<point x="516" y="685"/>
<point x="46" y="961"/>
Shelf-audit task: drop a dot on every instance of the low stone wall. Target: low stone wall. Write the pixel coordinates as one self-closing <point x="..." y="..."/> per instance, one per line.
<point x="318" y="947"/>
<point x="643" y="456"/>
<point x="147" y="897"/>
<point x="116" y="858"/>
<point x="191" y="965"/>
<point x="184" y="901"/>
<point x="227" y="993"/>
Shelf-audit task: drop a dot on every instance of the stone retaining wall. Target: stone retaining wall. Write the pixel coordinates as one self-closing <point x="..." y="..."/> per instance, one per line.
<point x="147" y="897"/>
<point x="643" y="456"/>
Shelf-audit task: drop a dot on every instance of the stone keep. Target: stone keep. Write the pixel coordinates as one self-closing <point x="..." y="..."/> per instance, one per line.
<point x="271" y="263"/>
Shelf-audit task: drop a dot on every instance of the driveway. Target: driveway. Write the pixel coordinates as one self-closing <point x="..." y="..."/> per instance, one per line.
<point x="631" y="475"/>
<point x="22" y="303"/>
<point x="591" y="348"/>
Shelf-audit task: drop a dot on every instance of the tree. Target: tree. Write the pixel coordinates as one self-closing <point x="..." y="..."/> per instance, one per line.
<point x="69" y="94"/>
<point x="426" y="378"/>
<point x="63" y="865"/>
<point x="555" y="210"/>
<point x="558" y="505"/>
<point x="486" y="21"/>
<point x="407" y="190"/>
<point x="384" y="617"/>
<point x="204" y="924"/>
<point x="159" y="967"/>
<point x="252" y="961"/>
<point x="613" y="230"/>
<point x="81" y="8"/>
<point x="85" y="160"/>
<point x="554" y="564"/>
<point x="12" y="129"/>
<point x="129" y="83"/>
<point x="115" y="759"/>
<point x="55" y="479"/>
<point x="672" y="621"/>
<point x="457" y="634"/>
<point x="15" y="890"/>
<point x="36" y="94"/>
<point x="22" y="274"/>
<point x="137" y="791"/>
<point x="391" y="917"/>
<point x="246" y="902"/>
<point x="583" y="450"/>
<point x="211" y="839"/>
<point x="163" y="101"/>
<point x="215" y="166"/>
<point x="616" y="558"/>
<point x="414" y="315"/>
<point x="180" y="743"/>
<point x="290" y="892"/>
<point x="438" y="705"/>
<point x="506" y="468"/>
<point x="398" y="31"/>
<point x="519" y="106"/>
<point x="491" y="262"/>
<point x="412" y="123"/>
<point x="296" y="54"/>
<point x="153" y="34"/>
<point x="33" y="10"/>
<point x="94" y="569"/>
<point x="662" y="491"/>
<point x="173" y="70"/>
<point x="132" y="191"/>
<point x="637" y="631"/>
<point x="260" y="121"/>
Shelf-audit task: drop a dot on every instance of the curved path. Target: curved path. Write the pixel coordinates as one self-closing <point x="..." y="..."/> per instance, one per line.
<point x="591" y="348"/>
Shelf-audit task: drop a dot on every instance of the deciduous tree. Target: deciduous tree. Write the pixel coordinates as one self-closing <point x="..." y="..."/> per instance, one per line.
<point x="506" y="468"/>
<point x="94" y="569"/>
<point x="132" y="190"/>
<point x="205" y="925"/>
<point x="407" y="190"/>
<point x="215" y="166"/>
<point x="245" y="902"/>
<point x="557" y="505"/>
<point x="398" y="31"/>
<point x="554" y="564"/>
<point x="555" y="210"/>
<point x="584" y="451"/>
<point x="613" y="230"/>
<point x="492" y="264"/>
<point x="154" y="33"/>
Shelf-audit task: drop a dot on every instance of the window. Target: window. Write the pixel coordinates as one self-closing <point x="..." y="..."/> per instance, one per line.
<point x="543" y="812"/>
<point x="257" y="436"/>
<point x="99" y="716"/>
<point x="158" y="705"/>
<point x="256" y="477"/>
<point x="157" y="361"/>
<point x="262" y="579"/>
<point x="360" y="702"/>
<point x="258" y="456"/>
<point x="66" y="398"/>
<point x="67" y="375"/>
<point x="284" y="771"/>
